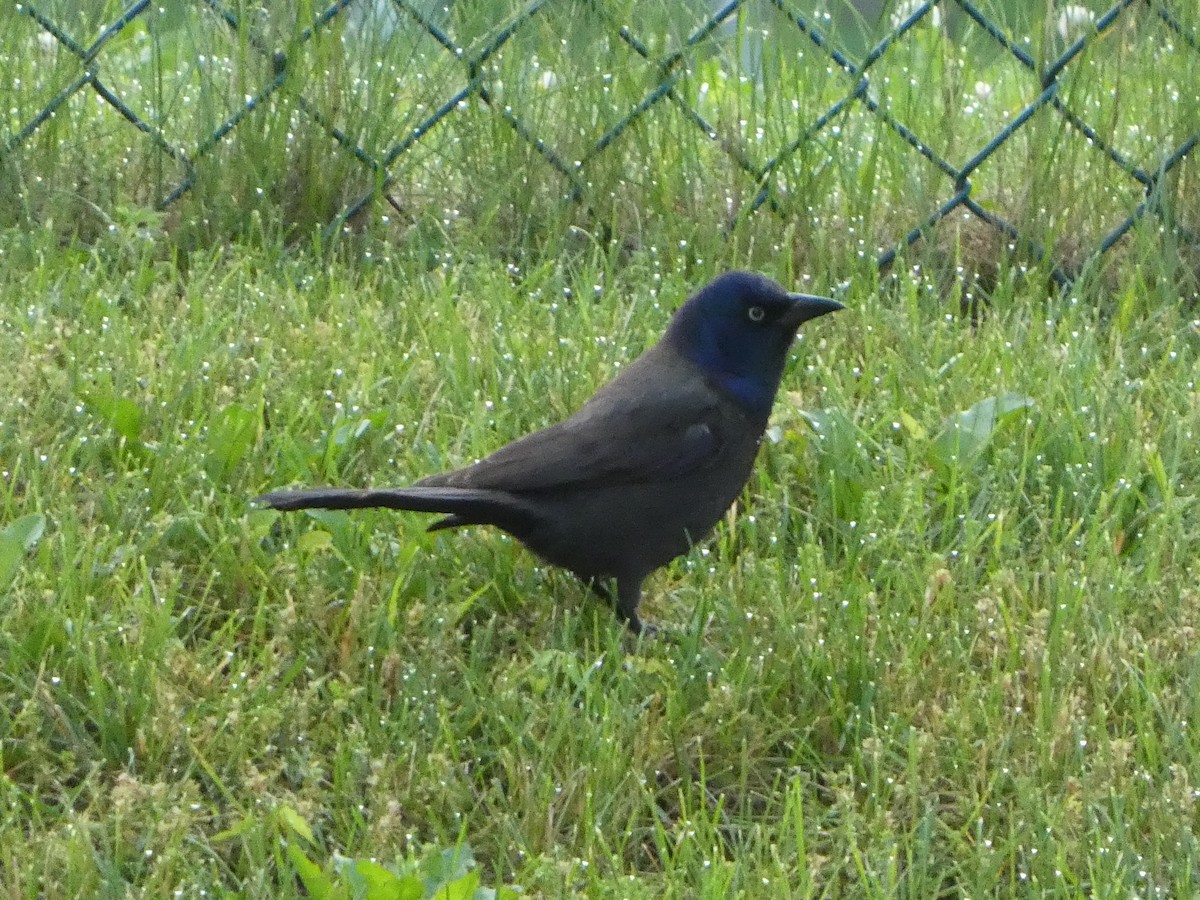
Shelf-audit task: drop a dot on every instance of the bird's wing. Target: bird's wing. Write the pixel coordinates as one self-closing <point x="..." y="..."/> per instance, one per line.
<point x="620" y="436"/>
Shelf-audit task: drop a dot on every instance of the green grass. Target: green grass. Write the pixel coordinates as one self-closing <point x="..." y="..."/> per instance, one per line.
<point x="86" y="171"/>
<point x="944" y="645"/>
<point x="897" y="668"/>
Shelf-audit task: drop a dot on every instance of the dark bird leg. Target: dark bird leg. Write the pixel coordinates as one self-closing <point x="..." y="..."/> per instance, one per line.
<point x="600" y="589"/>
<point x="625" y="604"/>
<point x="629" y="594"/>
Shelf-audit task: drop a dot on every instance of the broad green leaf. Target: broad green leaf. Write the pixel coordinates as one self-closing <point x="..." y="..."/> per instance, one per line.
<point x="372" y="881"/>
<point x="348" y="432"/>
<point x="447" y="867"/>
<point x="912" y="426"/>
<point x="16" y="540"/>
<point x="968" y="433"/>
<point x="26" y="531"/>
<point x="314" y="541"/>
<point x="295" y="823"/>
<point x="318" y="884"/>
<point x="330" y="518"/>
<point x="229" y="439"/>
<point x="127" y="418"/>
<point x="460" y="889"/>
<point x="123" y="415"/>
<point x="246" y="825"/>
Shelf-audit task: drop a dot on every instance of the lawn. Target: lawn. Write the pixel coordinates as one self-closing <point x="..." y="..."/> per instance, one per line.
<point x="944" y="645"/>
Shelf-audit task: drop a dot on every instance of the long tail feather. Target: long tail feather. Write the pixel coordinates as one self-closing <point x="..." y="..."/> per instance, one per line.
<point x="464" y="506"/>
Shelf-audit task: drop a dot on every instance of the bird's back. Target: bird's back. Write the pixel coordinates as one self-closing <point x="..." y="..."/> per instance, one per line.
<point x="644" y="469"/>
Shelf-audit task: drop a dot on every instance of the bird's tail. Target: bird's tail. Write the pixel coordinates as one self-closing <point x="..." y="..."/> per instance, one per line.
<point x="463" y="506"/>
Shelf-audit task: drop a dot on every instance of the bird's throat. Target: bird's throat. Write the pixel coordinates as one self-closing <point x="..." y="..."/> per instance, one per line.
<point x="753" y="393"/>
<point x="747" y="372"/>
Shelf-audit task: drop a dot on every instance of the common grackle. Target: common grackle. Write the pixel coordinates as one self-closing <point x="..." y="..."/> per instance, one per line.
<point x="647" y="466"/>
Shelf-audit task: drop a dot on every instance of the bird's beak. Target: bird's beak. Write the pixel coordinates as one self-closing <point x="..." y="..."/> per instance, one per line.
<point x="806" y="306"/>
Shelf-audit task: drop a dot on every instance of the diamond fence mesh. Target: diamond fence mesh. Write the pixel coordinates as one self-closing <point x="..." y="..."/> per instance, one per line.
<point x="1047" y="131"/>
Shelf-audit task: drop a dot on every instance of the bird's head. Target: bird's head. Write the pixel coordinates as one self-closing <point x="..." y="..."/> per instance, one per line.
<point x="738" y="329"/>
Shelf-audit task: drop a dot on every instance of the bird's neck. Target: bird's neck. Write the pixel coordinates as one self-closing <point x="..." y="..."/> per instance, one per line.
<point x="755" y="397"/>
<point x="746" y="381"/>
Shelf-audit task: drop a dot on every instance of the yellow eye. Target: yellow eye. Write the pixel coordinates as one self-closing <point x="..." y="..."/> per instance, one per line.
<point x="756" y="314"/>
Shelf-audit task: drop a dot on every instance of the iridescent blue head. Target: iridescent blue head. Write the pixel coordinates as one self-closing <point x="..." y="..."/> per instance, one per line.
<point x="738" y="329"/>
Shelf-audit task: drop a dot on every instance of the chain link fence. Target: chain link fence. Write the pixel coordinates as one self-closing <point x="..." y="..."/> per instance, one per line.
<point x="393" y="108"/>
